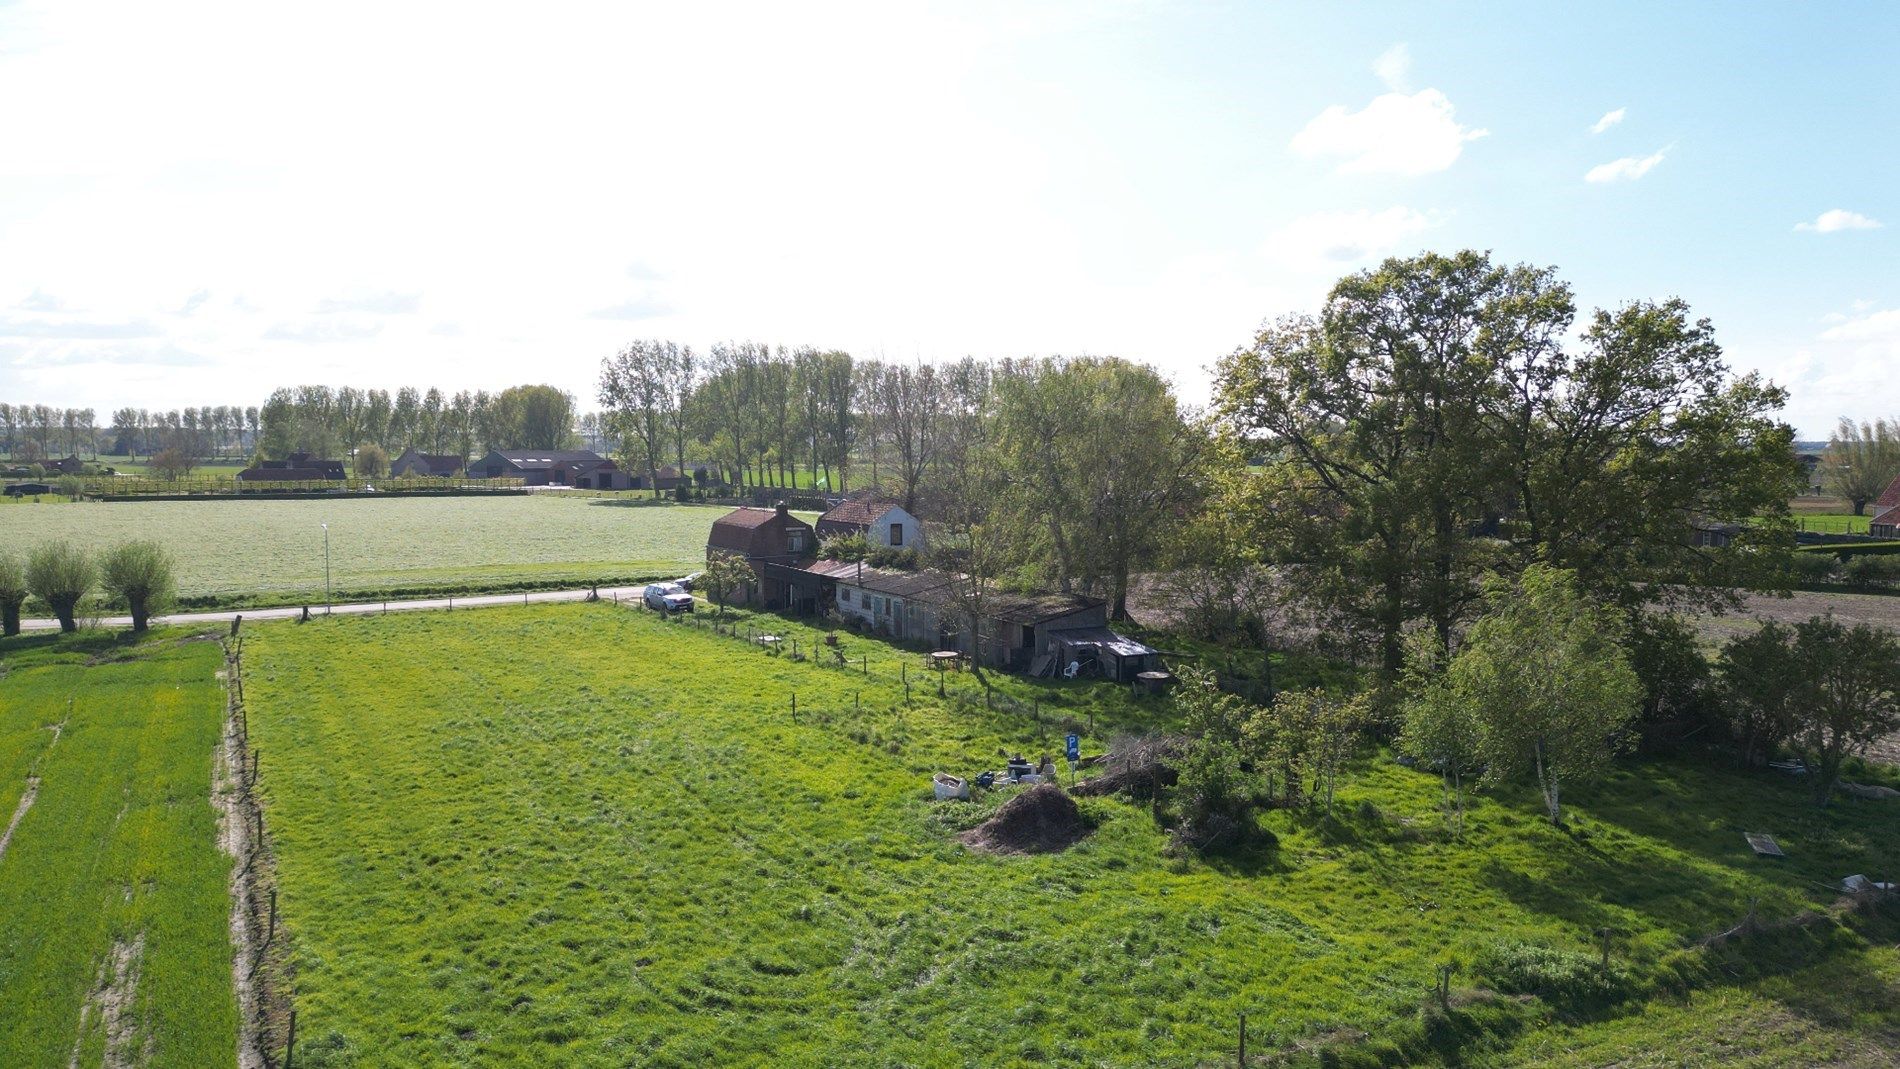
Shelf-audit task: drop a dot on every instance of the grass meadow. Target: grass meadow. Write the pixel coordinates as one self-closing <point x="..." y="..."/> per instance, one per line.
<point x="113" y="881"/>
<point x="235" y="552"/>
<point x="578" y="835"/>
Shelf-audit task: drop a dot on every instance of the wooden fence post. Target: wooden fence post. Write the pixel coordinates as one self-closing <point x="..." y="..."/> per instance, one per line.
<point x="1243" y="1041"/>
<point x="290" y="1043"/>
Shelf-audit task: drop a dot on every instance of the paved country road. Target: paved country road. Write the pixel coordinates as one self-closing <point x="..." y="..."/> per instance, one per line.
<point x="291" y="612"/>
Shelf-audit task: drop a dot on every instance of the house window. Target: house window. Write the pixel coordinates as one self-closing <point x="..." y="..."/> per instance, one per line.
<point x="897" y="534"/>
<point x="795" y="541"/>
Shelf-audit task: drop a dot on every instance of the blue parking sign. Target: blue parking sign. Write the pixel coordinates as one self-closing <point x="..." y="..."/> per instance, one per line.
<point x="1075" y="747"/>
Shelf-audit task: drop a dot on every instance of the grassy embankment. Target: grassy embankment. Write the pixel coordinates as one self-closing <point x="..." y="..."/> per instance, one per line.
<point x="578" y="835"/>
<point x="113" y="888"/>
<point x="240" y="553"/>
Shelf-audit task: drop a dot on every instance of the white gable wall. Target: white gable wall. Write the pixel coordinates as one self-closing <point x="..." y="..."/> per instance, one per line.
<point x="911" y="530"/>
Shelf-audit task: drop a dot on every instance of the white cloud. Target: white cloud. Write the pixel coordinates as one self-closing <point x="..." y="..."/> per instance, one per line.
<point x="1627" y="169"/>
<point x="387" y="302"/>
<point x="1829" y="222"/>
<point x="1330" y="242"/>
<point x="1874" y="334"/>
<point x="1394" y="67"/>
<point x="1395" y="134"/>
<point x="1609" y="119"/>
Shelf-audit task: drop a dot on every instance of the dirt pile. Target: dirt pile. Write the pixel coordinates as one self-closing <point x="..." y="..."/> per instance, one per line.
<point x="1040" y="820"/>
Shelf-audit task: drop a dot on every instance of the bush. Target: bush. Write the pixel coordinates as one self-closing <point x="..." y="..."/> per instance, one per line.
<point x="60" y="576"/>
<point x="1814" y="567"/>
<point x="1871" y="571"/>
<point x="70" y="485"/>
<point x="851" y="547"/>
<point x="1560" y="977"/>
<point x="889" y="557"/>
<point x="139" y="575"/>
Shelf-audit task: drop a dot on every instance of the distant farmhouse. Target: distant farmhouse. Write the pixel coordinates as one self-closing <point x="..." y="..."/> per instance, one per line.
<point x="1885" y="522"/>
<point x="414" y="464"/>
<point x="581" y="468"/>
<point x="884" y="524"/>
<point x="669" y="477"/>
<point x="295" y="468"/>
<point x="71" y="465"/>
<point x="773" y="542"/>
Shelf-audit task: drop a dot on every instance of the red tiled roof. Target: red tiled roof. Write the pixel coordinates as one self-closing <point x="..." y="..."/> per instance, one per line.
<point x="1889" y="498"/>
<point x="859" y="513"/>
<point x="746" y="516"/>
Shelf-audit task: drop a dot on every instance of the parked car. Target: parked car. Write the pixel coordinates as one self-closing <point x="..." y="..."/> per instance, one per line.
<point x="667" y="597"/>
<point x="691" y="581"/>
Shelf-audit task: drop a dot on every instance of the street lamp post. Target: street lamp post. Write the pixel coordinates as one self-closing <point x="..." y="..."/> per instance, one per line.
<point x="326" y="568"/>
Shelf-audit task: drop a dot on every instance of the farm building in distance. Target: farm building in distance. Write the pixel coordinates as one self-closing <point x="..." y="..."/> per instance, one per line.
<point x="580" y="468"/>
<point x="413" y="463"/>
<point x="884" y="524"/>
<point x="1885" y="521"/>
<point x="295" y="468"/>
<point x="1038" y="633"/>
<point x="771" y="541"/>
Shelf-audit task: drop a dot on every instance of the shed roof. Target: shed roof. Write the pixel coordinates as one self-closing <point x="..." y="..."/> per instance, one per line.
<point x="1038" y="607"/>
<point x="894" y="582"/>
<point x="1118" y="644"/>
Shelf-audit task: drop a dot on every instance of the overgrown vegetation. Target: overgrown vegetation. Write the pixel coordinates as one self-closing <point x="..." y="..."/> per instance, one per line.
<point x="492" y="860"/>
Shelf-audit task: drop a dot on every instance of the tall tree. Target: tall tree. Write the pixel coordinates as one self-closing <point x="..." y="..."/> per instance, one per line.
<point x="635" y="391"/>
<point x="533" y="417"/>
<point x="1430" y="426"/>
<point x="1861" y="461"/>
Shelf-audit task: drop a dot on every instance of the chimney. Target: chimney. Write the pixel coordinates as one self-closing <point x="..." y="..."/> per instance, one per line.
<point x="782" y="510"/>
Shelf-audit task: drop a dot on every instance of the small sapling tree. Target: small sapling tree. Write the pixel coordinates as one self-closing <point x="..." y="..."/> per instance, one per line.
<point x="1216" y="806"/>
<point x="725" y="574"/>
<point x="138" y="575"/>
<point x="1436" y="727"/>
<point x="13" y="593"/>
<point x="60" y="576"/>
<point x="1545" y="675"/>
<point x="1849" y="695"/>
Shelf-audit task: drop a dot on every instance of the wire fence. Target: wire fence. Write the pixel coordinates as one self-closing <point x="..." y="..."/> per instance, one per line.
<point x="231" y="486"/>
<point x="917" y="675"/>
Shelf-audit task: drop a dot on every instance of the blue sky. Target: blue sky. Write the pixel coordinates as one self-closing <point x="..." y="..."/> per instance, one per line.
<point x="200" y="201"/>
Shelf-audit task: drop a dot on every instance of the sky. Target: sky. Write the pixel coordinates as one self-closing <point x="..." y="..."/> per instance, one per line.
<point x="200" y="202"/>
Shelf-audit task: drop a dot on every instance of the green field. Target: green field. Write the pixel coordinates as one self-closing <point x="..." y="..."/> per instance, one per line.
<point x="261" y="552"/>
<point x="1831" y="522"/>
<point x="114" y="872"/>
<point x="577" y="835"/>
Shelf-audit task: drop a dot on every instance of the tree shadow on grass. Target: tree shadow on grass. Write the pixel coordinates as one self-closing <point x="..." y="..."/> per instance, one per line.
<point x="92" y="646"/>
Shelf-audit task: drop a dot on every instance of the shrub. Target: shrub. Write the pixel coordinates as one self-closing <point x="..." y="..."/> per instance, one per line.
<point x="71" y="485"/>
<point x="851" y="547"/>
<point x="60" y="576"/>
<point x="13" y="592"/>
<point x="139" y="574"/>
<point x="1814" y="567"/>
<point x="1870" y="571"/>
<point x="889" y="557"/>
<point x="1560" y="977"/>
